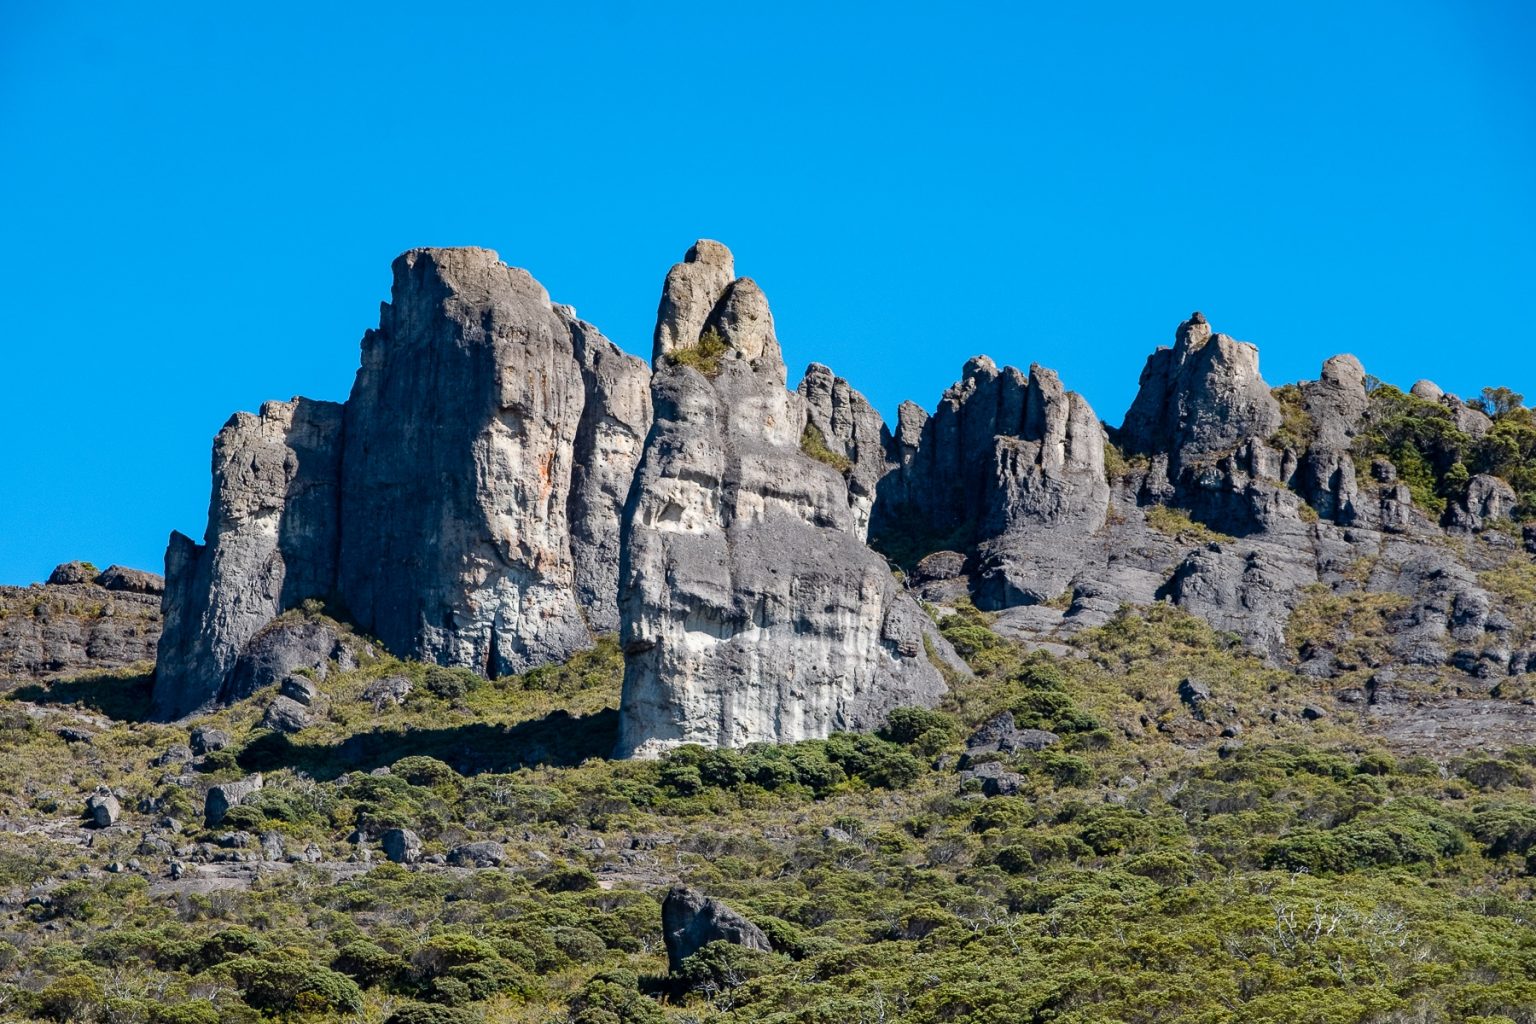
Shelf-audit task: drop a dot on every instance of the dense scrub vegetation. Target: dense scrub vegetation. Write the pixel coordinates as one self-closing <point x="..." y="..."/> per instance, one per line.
<point x="1436" y="460"/>
<point x="1224" y="859"/>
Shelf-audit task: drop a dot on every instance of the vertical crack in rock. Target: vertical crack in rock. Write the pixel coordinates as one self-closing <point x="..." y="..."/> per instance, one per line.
<point x="751" y="609"/>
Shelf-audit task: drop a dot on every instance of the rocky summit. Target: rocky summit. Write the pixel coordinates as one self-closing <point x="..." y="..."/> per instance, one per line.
<point x="504" y="485"/>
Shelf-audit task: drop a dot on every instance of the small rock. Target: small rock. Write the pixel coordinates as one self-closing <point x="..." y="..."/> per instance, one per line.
<point x="130" y="581"/>
<point x="1312" y="713"/>
<point x="176" y="753"/>
<point x="272" y="845"/>
<point x="169" y="824"/>
<point x="229" y="794"/>
<point x="401" y="845"/>
<point x="103" y="809"/>
<point x="234" y="840"/>
<point x="70" y="734"/>
<point x="285" y="715"/>
<point x="312" y="854"/>
<point x="117" y="867"/>
<point x="484" y="854"/>
<point x="836" y="835"/>
<point x="206" y="739"/>
<point x="69" y="573"/>
<point x="389" y="690"/>
<point x="177" y="869"/>
<point x="299" y="689"/>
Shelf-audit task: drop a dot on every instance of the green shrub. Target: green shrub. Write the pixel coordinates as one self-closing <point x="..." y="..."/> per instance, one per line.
<point x="814" y="443"/>
<point x="287" y="984"/>
<point x="370" y="964"/>
<point x="705" y="356"/>
<point x="720" y="966"/>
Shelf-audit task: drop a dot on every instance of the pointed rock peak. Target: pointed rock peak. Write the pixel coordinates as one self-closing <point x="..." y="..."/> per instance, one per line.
<point x="707" y="250"/>
<point x="1192" y="333"/>
<point x="979" y="366"/>
<point x="745" y="323"/>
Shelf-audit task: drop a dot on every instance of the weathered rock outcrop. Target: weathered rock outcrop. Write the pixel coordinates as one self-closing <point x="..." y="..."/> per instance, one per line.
<point x="457" y="495"/>
<point x="690" y="921"/>
<point x="271" y="543"/>
<point x="81" y="620"/>
<point x="751" y="608"/>
<point x="1008" y="467"/>
<point x="463" y="506"/>
<point x="1199" y="399"/>
<point x="843" y="420"/>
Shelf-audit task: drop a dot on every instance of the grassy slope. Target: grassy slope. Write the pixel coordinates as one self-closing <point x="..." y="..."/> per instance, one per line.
<point x="1151" y="869"/>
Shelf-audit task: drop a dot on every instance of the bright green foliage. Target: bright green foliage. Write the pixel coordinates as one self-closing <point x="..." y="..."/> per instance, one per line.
<point x="1176" y="523"/>
<point x="1297" y="431"/>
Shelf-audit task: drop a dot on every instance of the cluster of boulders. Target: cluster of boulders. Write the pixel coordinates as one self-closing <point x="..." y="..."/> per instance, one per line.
<point x="503" y="483"/>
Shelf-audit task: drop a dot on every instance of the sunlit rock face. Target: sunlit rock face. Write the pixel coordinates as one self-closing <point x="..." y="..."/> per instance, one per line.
<point x="751" y="609"/>
<point x="463" y="506"/>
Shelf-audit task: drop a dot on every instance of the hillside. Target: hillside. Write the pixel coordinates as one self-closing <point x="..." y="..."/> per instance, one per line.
<point x="539" y="683"/>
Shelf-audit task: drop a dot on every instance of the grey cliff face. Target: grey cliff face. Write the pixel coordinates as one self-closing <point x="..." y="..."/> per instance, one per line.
<point x="1009" y="466"/>
<point x="463" y="506"/>
<point x="1201" y="398"/>
<point x="851" y="428"/>
<point x="271" y="543"/>
<point x="457" y="496"/>
<point x="751" y="609"/>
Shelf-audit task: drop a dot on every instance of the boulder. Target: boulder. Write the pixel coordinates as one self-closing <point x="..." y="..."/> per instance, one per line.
<point x="103" y="809"/>
<point x="226" y="795"/>
<point x="401" y="845"/>
<point x="285" y="715"/>
<point x="690" y="921"/>
<point x="483" y="854"/>
<point x="72" y="573"/>
<point x="130" y="581"/>
<point x="299" y="689"/>
<point x="1000" y="734"/>
<point x="282" y="648"/>
<point x="389" y="690"/>
<point x="751" y="609"/>
<point x="205" y="739"/>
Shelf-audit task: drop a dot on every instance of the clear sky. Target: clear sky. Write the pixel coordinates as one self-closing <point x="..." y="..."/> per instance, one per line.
<point x="200" y="201"/>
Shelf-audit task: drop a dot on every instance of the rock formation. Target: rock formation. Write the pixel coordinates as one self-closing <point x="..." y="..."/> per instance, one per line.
<point x="751" y="609"/>
<point x="1009" y="467"/>
<point x="81" y="619"/>
<point x="456" y="497"/>
<point x="690" y="921"/>
<point x="436" y="507"/>
<point x="271" y="544"/>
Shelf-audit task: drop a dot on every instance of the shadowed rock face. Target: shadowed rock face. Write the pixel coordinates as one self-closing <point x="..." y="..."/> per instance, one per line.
<point x="751" y="608"/>
<point x="463" y="506"/>
<point x="81" y="619"/>
<point x="271" y="543"/>
<point x="690" y="921"/>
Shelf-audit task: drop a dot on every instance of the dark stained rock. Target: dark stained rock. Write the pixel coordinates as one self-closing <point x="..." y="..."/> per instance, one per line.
<point x="61" y="629"/>
<point x="1000" y="734"/>
<point x="401" y="845"/>
<point x="281" y="649"/>
<point x="299" y="689"/>
<point x="690" y="921"/>
<point x="67" y="573"/>
<point x="205" y="739"/>
<point x="483" y="854"/>
<point x="285" y="715"/>
<point x="130" y="581"/>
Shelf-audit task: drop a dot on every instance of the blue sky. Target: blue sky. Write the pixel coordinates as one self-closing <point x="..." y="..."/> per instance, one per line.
<point x="200" y="202"/>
